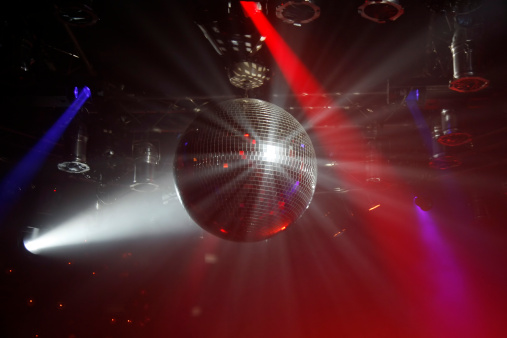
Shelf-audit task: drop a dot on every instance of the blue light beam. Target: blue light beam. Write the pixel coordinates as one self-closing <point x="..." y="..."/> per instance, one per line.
<point x="424" y="129"/>
<point x="19" y="177"/>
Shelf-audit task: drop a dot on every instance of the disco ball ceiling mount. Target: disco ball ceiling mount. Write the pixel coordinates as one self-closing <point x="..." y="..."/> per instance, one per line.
<point x="245" y="170"/>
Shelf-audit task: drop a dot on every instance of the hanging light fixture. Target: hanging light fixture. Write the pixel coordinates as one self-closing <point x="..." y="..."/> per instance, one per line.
<point x="440" y="159"/>
<point x="465" y="49"/>
<point x="247" y="74"/>
<point x="146" y="158"/>
<point x="245" y="170"/>
<point x="74" y="161"/>
<point x="381" y="11"/>
<point x="451" y="135"/>
<point x="240" y="45"/>
<point x="297" y="12"/>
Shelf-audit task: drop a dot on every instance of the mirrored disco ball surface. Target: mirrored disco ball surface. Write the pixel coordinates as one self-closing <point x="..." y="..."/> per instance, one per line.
<point x="245" y="170"/>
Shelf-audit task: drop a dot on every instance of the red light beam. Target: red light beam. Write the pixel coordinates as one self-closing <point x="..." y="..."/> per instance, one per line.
<point x="310" y="93"/>
<point x="298" y="77"/>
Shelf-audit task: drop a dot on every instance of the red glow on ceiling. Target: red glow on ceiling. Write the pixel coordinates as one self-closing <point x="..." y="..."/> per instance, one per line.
<point x="307" y="89"/>
<point x="298" y="77"/>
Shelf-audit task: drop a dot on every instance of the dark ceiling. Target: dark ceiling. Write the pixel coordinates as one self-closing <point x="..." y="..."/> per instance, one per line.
<point x="341" y="272"/>
<point x="150" y="68"/>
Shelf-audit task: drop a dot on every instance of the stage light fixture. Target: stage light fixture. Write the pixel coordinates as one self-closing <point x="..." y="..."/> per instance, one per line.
<point x="381" y="11"/>
<point x="247" y="75"/>
<point x="451" y="135"/>
<point x="240" y="44"/>
<point x="440" y="159"/>
<point x="75" y="158"/>
<point x="425" y="203"/>
<point x="146" y="159"/>
<point x="297" y="12"/>
<point x="229" y="30"/>
<point x="465" y="61"/>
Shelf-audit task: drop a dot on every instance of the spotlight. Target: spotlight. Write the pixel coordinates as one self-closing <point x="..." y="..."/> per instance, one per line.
<point x="146" y="159"/>
<point x="451" y="135"/>
<point x="425" y="203"/>
<point x="75" y="158"/>
<point x="465" y="62"/>
<point x="381" y="11"/>
<point x="247" y="75"/>
<point x="297" y="12"/>
<point x="440" y="159"/>
<point x="232" y="42"/>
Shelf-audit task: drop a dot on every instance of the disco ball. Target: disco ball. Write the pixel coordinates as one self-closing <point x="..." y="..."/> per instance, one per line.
<point x="245" y="170"/>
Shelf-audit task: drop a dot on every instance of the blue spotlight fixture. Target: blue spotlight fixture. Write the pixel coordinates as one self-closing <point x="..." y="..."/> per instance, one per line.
<point x="27" y="168"/>
<point x="425" y="203"/>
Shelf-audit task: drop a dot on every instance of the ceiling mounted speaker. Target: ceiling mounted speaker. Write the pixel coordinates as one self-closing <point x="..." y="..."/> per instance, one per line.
<point x="381" y="11"/>
<point x="245" y="170"/>
<point x="297" y="12"/>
